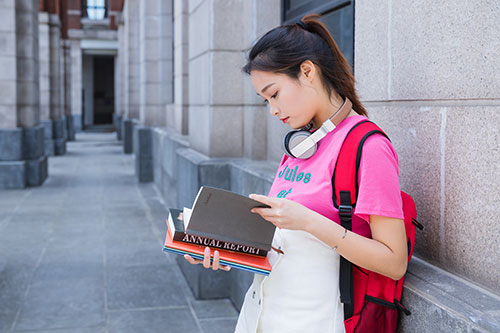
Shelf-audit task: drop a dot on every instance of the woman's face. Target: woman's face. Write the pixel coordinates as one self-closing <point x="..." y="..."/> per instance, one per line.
<point x="292" y="101"/>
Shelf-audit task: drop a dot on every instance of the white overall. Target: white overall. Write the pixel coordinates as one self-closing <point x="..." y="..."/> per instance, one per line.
<point x="302" y="292"/>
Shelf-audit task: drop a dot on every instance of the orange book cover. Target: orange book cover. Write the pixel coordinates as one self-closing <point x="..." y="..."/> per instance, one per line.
<point x="237" y="260"/>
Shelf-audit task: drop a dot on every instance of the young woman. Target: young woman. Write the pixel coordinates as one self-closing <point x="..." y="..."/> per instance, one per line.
<point x="300" y="72"/>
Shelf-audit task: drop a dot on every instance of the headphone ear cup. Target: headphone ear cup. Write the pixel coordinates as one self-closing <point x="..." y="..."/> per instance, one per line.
<point x="297" y="138"/>
<point x="286" y="141"/>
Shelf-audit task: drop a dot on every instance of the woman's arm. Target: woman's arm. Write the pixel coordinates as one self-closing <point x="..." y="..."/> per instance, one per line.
<point x="386" y="253"/>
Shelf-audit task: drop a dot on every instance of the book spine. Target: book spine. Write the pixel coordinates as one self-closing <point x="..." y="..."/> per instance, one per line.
<point x="213" y="243"/>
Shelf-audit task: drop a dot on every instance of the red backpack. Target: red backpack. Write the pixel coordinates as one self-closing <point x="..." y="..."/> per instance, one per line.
<point x="371" y="301"/>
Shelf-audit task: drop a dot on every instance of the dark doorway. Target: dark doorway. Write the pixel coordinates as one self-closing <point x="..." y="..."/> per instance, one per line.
<point x="104" y="89"/>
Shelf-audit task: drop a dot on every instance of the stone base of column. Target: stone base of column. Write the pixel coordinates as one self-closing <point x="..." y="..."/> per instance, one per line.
<point x="143" y="150"/>
<point x="117" y="121"/>
<point x="64" y="121"/>
<point x="128" y="135"/>
<point x="70" y="127"/>
<point x="59" y="136"/>
<point x="37" y="171"/>
<point x="12" y="174"/>
<point x="22" y="157"/>
<point x="34" y="154"/>
<point x="60" y="146"/>
<point x="77" y="122"/>
<point x="48" y="135"/>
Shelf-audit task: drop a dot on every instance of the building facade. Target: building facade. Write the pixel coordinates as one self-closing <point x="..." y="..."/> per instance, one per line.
<point x="167" y="74"/>
<point x="424" y="71"/>
<point x="58" y="64"/>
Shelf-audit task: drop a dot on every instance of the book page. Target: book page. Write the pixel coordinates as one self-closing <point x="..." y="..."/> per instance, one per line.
<point x="186" y="213"/>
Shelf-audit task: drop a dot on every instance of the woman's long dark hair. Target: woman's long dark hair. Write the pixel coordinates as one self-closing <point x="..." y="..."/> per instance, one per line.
<point x="284" y="48"/>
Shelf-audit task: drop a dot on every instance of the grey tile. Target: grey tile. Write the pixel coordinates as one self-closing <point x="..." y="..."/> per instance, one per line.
<point x="167" y="320"/>
<point x="6" y="320"/>
<point x="63" y="302"/>
<point x="219" y="308"/>
<point x="144" y="286"/>
<point x="218" y="325"/>
<point x="140" y="252"/>
<point x="72" y="329"/>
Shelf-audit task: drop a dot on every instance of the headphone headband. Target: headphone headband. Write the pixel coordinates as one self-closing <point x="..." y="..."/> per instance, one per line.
<point x="329" y="125"/>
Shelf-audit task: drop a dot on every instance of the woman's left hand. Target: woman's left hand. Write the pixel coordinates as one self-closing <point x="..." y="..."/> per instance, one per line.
<point x="284" y="213"/>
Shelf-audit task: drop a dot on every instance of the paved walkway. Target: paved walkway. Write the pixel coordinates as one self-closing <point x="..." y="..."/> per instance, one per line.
<point x="82" y="253"/>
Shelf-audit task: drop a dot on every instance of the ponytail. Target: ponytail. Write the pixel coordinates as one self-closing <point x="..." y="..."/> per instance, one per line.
<point x="285" y="48"/>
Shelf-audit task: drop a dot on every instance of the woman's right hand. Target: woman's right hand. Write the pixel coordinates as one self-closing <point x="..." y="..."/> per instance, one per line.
<point x="206" y="260"/>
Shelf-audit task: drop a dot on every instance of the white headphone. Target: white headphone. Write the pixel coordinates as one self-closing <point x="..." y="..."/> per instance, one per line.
<point x="302" y="144"/>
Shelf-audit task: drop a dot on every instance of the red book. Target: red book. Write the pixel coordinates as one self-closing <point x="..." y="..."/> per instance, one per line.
<point x="242" y="261"/>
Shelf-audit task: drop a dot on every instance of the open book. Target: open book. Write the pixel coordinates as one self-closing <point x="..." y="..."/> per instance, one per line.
<point x="222" y="219"/>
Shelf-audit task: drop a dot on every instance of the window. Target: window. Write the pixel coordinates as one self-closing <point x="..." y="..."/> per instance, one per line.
<point x="336" y="15"/>
<point x="94" y="9"/>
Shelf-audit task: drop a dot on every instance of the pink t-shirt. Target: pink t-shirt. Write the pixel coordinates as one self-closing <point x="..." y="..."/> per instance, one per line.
<point x="309" y="182"/>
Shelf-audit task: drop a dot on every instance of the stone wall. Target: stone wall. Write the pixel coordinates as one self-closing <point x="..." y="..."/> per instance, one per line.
<point x="427" y="79"/>
<point x="424" y="72"/>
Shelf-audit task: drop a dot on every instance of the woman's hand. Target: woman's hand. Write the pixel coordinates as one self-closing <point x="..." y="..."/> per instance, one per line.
<point x="284" y="213"/>
<point x="206" y="261"/>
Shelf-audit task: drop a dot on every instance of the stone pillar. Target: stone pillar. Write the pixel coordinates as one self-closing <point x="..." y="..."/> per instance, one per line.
<point x="216" y="90"/>
<point x="22" y="158"/>
<point x="262" y="133"/>
<point x="124" y="59"/>
<point x="62" y="90"/>
<point x="177" y="115"/>
<point x="68" y="91"/>
<point x="56" y="111"/>
<point x="76" y="85"/>
<point x="44" y="87"/>
<point x="166" y="62"/>
<point x="132" y="27"/>
<point x="131" y="46"/>
<point x="119" y="82"/>
<point x="150" y="49"/>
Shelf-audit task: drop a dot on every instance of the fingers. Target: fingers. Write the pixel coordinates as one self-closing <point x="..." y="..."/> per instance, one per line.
<point x="206" y="258"/>
<point x="263" y="199"/>
<point x="191" y="260"/>
<point x="215" y="264"/>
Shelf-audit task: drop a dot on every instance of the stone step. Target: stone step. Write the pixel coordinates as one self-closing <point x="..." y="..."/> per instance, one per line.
<point x="443" y="302"/>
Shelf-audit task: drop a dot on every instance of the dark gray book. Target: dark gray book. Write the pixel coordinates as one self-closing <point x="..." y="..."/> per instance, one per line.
<point x="226" y="216"/>
<point x="178" y="233"/>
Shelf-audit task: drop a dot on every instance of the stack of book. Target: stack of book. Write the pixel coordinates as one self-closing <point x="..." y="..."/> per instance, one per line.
<point x="222" y="220"/>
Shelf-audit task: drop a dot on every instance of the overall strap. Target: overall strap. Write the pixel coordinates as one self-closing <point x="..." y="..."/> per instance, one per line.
<point x="345" y="192"/>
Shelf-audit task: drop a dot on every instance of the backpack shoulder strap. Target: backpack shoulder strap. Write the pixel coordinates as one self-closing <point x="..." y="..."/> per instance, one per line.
<point x="345" y="191"/>
<point x="348" y="162"/>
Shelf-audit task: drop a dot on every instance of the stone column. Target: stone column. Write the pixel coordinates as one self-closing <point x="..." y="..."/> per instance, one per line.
<point x="262" y="133"/>
<point x="56" y="111"/>
<point x="22" y="158"/>
<point x="216" y="83"/>
<point x="68" y="91"/>
<point x="149" y="62"/>
<point x="62" y="90"/>
<point x="119" y="82"/>
<point x="76" y="84"/>
<point x="44" y="87"/>
<point x="166" y="62"/>
<point x="131" y="45"/>
<point x="132" y="27"/>
<point x="177" y="115"/>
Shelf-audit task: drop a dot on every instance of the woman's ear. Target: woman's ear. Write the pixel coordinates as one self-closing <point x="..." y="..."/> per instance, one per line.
<point x="308" y="70"/>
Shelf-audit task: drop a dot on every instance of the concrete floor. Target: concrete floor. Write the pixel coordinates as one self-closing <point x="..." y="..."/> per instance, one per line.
<point x="82" y="253"/>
